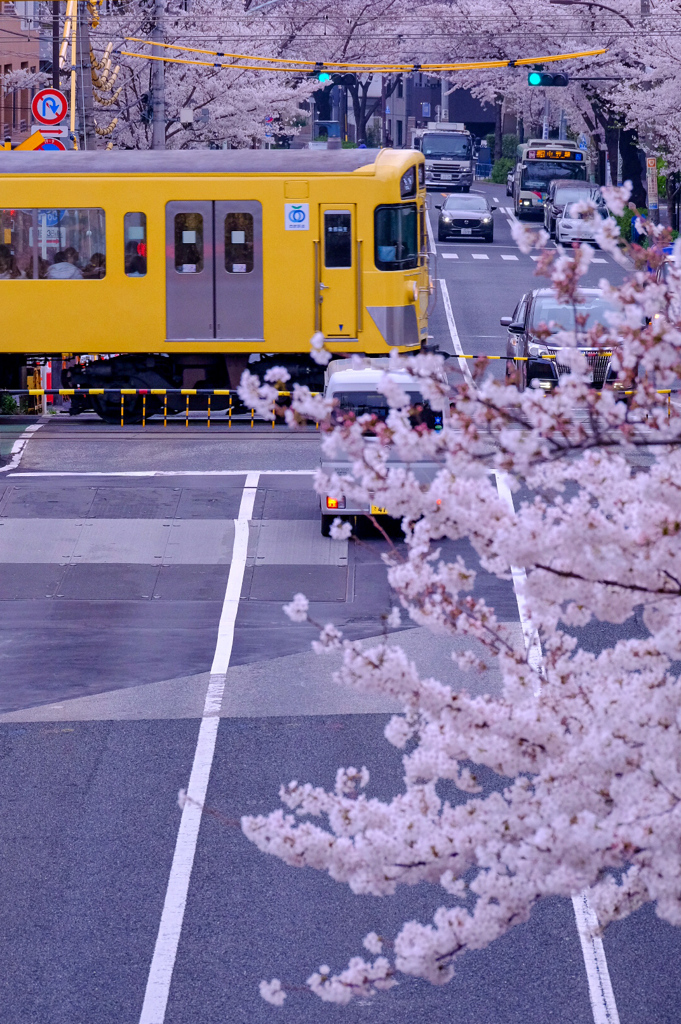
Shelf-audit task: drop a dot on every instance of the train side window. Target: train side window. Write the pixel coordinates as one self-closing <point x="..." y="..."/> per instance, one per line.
<point x="239" y="243"/>
<point x="337" y="238"/>
<point x="396" y="237"/>
<point x="188" y="243"/>
<point x="135" y="237"/>
<point x="53" y="245"/>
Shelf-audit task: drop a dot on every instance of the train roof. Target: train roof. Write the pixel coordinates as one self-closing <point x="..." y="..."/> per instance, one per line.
<point x="199" y="161"/>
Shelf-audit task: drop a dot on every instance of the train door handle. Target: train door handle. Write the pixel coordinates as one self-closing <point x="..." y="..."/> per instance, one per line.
<point x="323" y="286"/>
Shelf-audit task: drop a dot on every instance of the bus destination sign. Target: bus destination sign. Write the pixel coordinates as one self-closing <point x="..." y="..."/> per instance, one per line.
<point x="555" y="154"/>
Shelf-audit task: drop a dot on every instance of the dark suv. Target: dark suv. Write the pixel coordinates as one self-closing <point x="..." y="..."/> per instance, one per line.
<point x="540" y="359"/>
<point x="564" y="193"/>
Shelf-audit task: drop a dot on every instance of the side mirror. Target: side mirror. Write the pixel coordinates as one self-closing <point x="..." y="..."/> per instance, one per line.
<point x="438" y="207"/>
<point x="506" y="321"/>
<point x="516" y="327"/>
<point x="493" y="208"/>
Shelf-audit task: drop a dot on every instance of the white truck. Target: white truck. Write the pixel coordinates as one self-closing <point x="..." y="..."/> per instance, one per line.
<point x="356" y="391"/>
<point x="448" y="151"/>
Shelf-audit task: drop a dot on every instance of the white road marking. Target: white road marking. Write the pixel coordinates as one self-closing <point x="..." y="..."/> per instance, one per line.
<point x="509" y="222"/>
<point x="535" y="258"/>
<point x="450" y="255"/>
<point x="480" y="256"/>
<point x="170" y="472"/>
<point x="601" y="995"/>
<point x="496" y="201"/>
<point x="165" y="951"/>
<point x="18" y="447"/>
<point x="510" y="211"/>
<point x="598" y="259"/>
<point x="603" y="1005"/>
<point x="454" y="334"/>
<point x="509" y="257"/>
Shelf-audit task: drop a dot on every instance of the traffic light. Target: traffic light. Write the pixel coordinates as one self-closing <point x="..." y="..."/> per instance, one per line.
<point x="324" y="77"/>
<point x="546" y="79"/>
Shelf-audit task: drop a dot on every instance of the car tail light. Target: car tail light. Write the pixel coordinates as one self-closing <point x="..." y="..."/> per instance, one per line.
<point x="335" y="502"/>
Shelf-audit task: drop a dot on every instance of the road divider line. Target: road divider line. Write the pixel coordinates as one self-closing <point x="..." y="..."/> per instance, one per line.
<point x="17" y="450"/>
<point x="454" y="334"/>
<point x="169" y="472"/>
<point x="601" y="995"/>
<point x="172" y="916"/>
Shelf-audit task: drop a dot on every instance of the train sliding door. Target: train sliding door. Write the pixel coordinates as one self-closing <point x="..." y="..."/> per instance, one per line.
<point x="338" y="272"/>
<point x="190" y="272"/>
<point x="214" y="273"/>
<point x="238" y="271"/>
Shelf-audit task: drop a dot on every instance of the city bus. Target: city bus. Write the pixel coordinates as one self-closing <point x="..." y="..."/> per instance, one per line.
<point x="174" y="269"/>
<point x="538" y="163"/>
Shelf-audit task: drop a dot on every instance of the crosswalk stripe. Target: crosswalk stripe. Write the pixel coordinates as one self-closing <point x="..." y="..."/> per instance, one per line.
<point x="509" y="257"/>
<point x="450" y="255"/>
<point x="597" y="259"/>
<point x="480" y="256"/>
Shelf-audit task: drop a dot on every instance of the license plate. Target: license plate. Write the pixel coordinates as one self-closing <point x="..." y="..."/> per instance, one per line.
<point x="590" y="377"/>
<point x="466" y="231"/>
<point x="446" y="177"/>
<point x="376" y="510"/>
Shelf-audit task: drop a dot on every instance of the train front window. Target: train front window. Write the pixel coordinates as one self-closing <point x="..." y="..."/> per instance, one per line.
<point x="188" y="243"/>
<point x="396" y="237"/>
<point x="337" y="238"/>
<point x="239" y="243"/>
<point x="135" y="237"/>
<point x="52" y="245"/>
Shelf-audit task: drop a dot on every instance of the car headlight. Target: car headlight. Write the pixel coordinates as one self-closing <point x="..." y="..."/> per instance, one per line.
<point x="536" y="350"/>
<point x="486" y="220"/>
<point x="446" y="220"/>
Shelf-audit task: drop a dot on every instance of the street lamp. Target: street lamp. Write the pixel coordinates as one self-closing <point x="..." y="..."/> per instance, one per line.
<point x="645" y="7"/>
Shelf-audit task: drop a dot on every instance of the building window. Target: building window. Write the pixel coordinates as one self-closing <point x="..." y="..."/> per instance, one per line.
<point x="52" y="245"/>
<point x="399" y="133"/>
<point x="400" y="87"/>
<point x="135" y="238"/>
<point x="425" y="109"/>
<point x="337" y="238"/>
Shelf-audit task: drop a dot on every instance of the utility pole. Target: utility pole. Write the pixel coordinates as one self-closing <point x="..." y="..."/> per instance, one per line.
<point x="158" y="136"/>
<point x="55" y="44"/>
<point x="547" y="111"/>
<point x="87" y="111"/>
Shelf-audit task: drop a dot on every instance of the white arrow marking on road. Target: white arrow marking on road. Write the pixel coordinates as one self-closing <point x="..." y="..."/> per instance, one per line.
<point x="165" y="951"/>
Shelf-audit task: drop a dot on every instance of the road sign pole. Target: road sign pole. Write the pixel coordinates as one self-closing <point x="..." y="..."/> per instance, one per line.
<point x="653" y="201"/>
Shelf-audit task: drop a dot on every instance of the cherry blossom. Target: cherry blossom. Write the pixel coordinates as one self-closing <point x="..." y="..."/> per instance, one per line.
<point x="584" y="745"/>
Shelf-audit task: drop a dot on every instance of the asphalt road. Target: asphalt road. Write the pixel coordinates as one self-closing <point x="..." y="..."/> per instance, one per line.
<point x="116" y="551"/>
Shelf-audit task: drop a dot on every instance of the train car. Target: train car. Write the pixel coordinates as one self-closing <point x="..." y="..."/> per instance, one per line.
<point x="176" y="268"/>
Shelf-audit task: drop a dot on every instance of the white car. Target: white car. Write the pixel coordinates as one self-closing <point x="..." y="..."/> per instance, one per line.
<point x="355" y="391"/>
<point x="577" y="227"/>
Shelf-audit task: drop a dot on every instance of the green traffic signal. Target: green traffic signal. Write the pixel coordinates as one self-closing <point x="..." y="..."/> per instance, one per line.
<point x="547" y="80"/>
<point x="324" y="77"/>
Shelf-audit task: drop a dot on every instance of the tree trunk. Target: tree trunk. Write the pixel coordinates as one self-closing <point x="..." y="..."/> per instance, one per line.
<point x="499" y="130"/>
<point x="631" y="166"/>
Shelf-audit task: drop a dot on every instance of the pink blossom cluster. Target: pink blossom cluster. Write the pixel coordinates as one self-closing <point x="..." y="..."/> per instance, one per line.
<point x="586" y="746"/>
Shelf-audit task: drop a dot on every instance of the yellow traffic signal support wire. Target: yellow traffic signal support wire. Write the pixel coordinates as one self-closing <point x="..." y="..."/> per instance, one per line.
<point x="307" y="66"/>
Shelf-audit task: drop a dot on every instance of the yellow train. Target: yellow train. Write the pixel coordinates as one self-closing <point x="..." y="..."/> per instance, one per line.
<point x="180" y="266"/>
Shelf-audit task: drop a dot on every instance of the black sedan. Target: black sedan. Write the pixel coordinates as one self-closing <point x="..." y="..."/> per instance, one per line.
<point x="540" y="364"/>
<point x="465" y="216"/>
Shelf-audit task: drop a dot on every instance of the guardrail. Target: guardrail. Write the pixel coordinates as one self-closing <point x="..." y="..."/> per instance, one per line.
<point x="187" y="393"/>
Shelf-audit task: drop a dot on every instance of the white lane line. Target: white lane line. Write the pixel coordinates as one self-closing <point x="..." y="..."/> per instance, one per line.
<point x="480" y="256"/>
<point x="509" y="222"/>
<point x="601" y="995"/>
<point x="510" y="211"/>
<point x="165" y="951"/>
<point x="454" y="334"/>
<point x="509" y="257"/>
<point x="18" y="447"/>
<point x="169" y="472"/>
<point x="603" y="1005"/>
<point x="449" y="255"/>
<point x="598" y="259"/>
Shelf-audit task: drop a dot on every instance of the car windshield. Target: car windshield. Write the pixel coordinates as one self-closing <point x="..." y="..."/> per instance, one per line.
<point x="547" y="309"/>
<point x="573" y="195"/>
<point x="458" y="147"/>
<point x="371" y="403"/>
<point x="538" y="173"/>
<point x="465" y="203"/>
